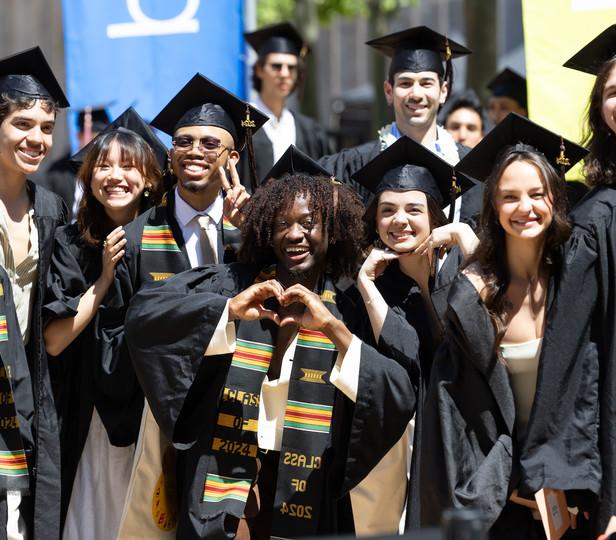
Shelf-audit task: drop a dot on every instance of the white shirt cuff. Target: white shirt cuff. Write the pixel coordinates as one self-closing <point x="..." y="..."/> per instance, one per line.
<point x="345" y="373"/>
<point x="223" y="339"/>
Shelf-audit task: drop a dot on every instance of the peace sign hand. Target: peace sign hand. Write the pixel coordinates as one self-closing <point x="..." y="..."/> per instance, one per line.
<point x="236" y="195"/>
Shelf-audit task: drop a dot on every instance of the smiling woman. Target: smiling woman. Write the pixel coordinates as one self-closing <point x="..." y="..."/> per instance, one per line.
<point x="120" y="174"/>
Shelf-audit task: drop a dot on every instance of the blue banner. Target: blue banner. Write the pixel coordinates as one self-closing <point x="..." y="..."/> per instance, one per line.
<point x="141" y="52"/>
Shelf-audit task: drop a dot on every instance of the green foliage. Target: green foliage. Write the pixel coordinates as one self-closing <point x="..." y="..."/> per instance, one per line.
<point x="272" y="11"/>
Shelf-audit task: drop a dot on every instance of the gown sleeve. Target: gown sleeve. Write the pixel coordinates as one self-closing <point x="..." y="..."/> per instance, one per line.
<point x="65" y="280"/>
<point x="177" y="379"/>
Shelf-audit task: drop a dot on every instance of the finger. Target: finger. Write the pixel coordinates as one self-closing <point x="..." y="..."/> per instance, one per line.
<point x="235" y="178"/>
<point x="291" y="319"/>
<point x="241" y="199"/>
<point x="114" y="248"/>
<point x="270" y="289"/>
<point x="223" y="179"/>
<point x="117" y="256"/>
<point x="115" y="234"/>
<point x="269" y="314"/>
<point x="297" y="295"/>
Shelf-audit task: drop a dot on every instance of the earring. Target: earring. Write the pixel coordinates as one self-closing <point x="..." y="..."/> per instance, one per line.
<point x="146" y="192"/>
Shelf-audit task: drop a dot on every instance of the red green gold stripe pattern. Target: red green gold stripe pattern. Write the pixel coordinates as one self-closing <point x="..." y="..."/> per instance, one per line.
<point x="252" y="355"/>
<point x="308" y="416"/>
<point x="4" y="329"/>
<point x="314" y="340"/>
<point x="220" y="488"/>
<point x="158" y="238"/>
<point x="13" y="463"/>
<point x="226" y="224"/>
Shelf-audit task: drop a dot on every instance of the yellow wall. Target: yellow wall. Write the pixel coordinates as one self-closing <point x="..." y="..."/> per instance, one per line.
<point x="554" y="30"/>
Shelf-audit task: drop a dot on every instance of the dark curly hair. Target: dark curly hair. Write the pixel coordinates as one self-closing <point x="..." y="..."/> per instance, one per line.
<point x="91" y="216"/>
<point x="491" y="254"/>
<point x="600" y="164"/>
<point x="339" y="207"/>
<point x="11" y="101"/>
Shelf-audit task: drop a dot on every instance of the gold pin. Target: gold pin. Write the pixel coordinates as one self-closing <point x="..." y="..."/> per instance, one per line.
<point x="562" y="159"/>
<point x="248" y="122"/>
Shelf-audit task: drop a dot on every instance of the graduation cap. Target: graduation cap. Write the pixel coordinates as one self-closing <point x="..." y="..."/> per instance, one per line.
<point x="203" y="103"/>
<point x="593" y="55"/>
<point x="99" y="117"/>
<point x="560" y="152"/>
<point x="129" y="120"/>
<point x="409" y="166"/>
<point x="419" y="49"/>
<point x="28" y="73"/>
<point x="277" y="38"/>
<point x="295" y="161"/>
<point x="509" y="84"/>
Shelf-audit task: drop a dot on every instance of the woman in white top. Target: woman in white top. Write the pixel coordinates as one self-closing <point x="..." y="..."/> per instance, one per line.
<point x="483" y="381"/>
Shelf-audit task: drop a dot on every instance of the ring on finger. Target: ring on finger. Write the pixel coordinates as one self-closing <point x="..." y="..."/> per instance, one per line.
<point x="104" y="243"/>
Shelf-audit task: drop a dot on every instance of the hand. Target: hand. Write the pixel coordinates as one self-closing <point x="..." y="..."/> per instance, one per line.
<point x="314" y="316"/>
<point x="236" y="195"/>
<point x="445" y="237"/>
<point x="376" y="263"/>
<point x="248" y="305"/>
<point x="113" y="250"/>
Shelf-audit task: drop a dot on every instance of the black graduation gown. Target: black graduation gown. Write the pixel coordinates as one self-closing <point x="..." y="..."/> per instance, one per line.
<point x="119" y="399"/>
<point x="61" y="179"/>
<point x="14" y="367"/>
<point x="577" y="406"/>
<point x="183" y="387"/>
<point x="391" y="392"/>
<point x="49" y="213"/>
<point x="470" y="454"/>
<point x="310" y="138"/>
<point x="74" y="268"/>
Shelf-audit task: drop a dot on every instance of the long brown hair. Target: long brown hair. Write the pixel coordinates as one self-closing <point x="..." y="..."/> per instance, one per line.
<point x="436" y="217"/>
<point x="92" y="219"/>
<point x="491" y="255"/>
<point x="600" y="164"/>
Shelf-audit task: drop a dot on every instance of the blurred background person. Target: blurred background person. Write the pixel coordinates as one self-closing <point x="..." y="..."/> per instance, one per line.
<point x="508" y="95"/>
<point x="463" y="117"/>
<point x="278" y="73"/>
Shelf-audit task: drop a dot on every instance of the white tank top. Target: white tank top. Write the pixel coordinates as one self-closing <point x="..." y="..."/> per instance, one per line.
<point x="522" y="363"/>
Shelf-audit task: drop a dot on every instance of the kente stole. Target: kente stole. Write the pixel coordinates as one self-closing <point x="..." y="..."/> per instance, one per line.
<point x="13" y="463"/>
<point x="307" y="426"/>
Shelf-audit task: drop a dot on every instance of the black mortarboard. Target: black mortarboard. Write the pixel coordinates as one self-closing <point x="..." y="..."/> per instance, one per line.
<point x="129" y="120"/>
<point x="203" y="103"/>
<point x="418" y="49"/>
<point x="561" y="153"/>
<point x="407" y="165"/>
<point x="28" y="73"/>
<point x="509" y="84"/>
<point x="277" y="38"/>
<point x="295" y="161"/>
<point x="593" y="55"/>
<point x="100" y="117"/>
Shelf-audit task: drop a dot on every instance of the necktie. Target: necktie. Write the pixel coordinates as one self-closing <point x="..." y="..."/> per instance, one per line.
<point x="208" y="240"/>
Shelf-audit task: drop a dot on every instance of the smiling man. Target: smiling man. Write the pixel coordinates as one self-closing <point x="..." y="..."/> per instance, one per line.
<point x="419" y="82"/>
<point x="192" y="227"/>
<point x="29" y="99"/>
<point x="259" y="426"/>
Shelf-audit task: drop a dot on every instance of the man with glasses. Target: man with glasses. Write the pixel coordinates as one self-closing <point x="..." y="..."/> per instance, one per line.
<point x="277" y="73"/>
<point x="192" y="227"/>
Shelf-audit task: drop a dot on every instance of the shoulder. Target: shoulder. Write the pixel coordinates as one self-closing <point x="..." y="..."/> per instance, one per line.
<point x="68" y="234"/>
<point x="46" y="203"/>
<point x="598" y="206"/>
<point x="473" y="275"/>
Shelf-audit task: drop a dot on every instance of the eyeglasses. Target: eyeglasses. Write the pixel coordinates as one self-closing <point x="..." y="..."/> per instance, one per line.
<point x="277" y="66"/>
<point x="207" y="145"/>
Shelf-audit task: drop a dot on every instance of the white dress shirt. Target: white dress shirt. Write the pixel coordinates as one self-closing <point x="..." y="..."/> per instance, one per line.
<point x="273" y="401"/>
<point x="191" y="231"/>
<point x="280" y="131"/>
